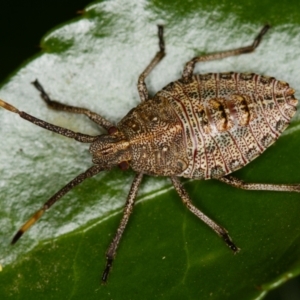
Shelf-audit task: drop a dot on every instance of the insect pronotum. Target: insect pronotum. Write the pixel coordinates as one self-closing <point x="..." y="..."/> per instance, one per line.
<point x="201" y="126"/>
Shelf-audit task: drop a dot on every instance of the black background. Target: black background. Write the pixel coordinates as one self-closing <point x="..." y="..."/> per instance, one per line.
<point x="24" y="23"/>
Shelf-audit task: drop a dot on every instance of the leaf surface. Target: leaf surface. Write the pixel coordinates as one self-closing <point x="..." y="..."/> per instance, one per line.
<point x="166" y="252"/>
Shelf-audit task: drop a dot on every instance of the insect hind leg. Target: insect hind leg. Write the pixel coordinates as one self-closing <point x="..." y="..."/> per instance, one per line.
<point x="235" y="182"/>
<point x="72" y="109"/>
<point x="189" y="67"/>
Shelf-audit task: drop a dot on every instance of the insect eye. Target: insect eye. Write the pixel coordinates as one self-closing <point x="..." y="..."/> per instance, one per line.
<point x="124" y="165"/>
<point x="112" y="130"/>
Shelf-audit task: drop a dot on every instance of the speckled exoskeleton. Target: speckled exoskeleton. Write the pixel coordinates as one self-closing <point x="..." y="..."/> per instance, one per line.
<point x="201" y="126"/>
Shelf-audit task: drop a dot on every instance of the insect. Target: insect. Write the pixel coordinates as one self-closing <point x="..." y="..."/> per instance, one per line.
<point x="202" y="126"/>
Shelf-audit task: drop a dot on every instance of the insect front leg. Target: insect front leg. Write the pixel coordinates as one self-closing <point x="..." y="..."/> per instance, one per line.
<point x="111" y="252"/>
<point x="142" y="88"/>
<point x="72" y="109"/>
<point x="235" y="182"/>
<point x="220" y="231"/>
<point x="189" y="67"/>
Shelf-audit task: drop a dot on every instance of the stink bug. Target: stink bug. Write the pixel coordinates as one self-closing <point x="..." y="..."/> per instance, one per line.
<point x="202" y="126"/>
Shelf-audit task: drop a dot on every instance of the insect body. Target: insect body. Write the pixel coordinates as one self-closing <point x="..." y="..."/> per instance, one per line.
<point x="228" y="119"/>
<point x="200" y="126"/>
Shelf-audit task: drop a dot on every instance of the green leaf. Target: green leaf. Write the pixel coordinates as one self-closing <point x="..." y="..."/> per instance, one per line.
<point x="166" y="252"/>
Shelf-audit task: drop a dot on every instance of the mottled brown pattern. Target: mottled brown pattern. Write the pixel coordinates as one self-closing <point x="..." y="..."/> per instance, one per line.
<point x="200" y="126"/>
<point x="228" y="119"/>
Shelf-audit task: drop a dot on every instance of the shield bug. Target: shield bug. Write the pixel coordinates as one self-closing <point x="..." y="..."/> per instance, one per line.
<point x="202" y="126"/>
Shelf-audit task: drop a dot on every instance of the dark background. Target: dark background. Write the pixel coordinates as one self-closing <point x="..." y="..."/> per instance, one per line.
<point x="24" y="23"/>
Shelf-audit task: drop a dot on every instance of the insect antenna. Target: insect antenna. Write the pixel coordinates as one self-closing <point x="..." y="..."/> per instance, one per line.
<point x="76" y="181"/>
<point x="80" y="137"/>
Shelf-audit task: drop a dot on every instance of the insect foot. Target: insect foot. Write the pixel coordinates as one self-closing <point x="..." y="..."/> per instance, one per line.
<point x="201" y="126"/>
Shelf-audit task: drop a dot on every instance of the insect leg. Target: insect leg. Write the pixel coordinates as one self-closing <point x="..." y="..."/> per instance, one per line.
<point x="84" y="138"/>
<point x="235" y="182"/>
<point x="111" y="252"/>
<point x="72" y="109"/>
<point x="142" y="88"/>
<point x="222" y="232"/>
<point x="189" y="67"/>
<point x="77" y="180"/>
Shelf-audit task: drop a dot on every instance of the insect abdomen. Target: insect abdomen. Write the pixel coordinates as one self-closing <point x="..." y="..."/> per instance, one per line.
<point x="229" y="119"/>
